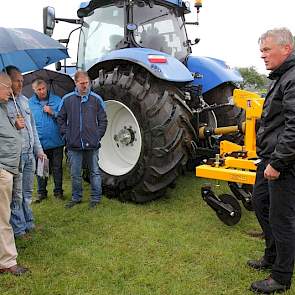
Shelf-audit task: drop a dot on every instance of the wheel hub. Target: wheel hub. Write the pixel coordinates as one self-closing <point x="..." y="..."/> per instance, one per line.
<point x="125" y="136"/>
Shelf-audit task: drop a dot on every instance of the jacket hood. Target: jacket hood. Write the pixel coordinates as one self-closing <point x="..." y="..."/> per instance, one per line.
<point x="36" y="98"/>
<point x="78" y="94"/>
<point x="285" y="66"/>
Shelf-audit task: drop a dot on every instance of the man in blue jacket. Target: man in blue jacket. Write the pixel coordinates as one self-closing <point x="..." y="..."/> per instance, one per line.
<point x="44" y="106"/>
<point x="83" y="123"/>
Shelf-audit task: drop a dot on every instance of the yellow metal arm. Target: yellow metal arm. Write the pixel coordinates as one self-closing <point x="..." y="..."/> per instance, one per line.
<point x="242" y="168"/>
<point x="252" y="103"/>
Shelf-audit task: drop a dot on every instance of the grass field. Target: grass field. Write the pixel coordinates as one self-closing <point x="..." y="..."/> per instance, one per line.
<point x="173" y="246"/>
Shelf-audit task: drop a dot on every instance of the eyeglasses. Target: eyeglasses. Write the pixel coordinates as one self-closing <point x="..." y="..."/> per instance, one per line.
<point x="5" y="85"/>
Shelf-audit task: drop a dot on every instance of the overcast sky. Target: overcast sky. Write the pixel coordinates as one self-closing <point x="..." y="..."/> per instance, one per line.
<point x="229" y="29"/>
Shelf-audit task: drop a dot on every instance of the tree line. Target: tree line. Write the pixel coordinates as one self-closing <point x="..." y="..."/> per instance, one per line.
<point x="252" y="80"/>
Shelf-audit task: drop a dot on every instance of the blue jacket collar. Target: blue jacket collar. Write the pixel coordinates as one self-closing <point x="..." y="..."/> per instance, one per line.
<point x="83" y="97"/>
<point x="36" y="99"/>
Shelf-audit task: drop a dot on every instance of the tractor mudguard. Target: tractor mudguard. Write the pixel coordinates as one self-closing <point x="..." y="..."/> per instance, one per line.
<point x="172" y="70"/>
<point x="211" y="72"/>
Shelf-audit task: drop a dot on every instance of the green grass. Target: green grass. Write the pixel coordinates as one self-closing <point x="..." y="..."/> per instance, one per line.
<point x="173" y="246"/>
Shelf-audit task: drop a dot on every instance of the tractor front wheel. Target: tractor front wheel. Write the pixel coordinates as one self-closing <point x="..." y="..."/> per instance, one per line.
<point x="147" y="140"/>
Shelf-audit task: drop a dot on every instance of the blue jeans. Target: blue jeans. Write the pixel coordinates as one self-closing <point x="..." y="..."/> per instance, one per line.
<point x="21" y="212"/>
<point x="91" y="159"/>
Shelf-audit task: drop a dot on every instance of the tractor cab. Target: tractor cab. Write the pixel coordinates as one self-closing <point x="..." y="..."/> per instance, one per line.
<point x="112" y="25"/>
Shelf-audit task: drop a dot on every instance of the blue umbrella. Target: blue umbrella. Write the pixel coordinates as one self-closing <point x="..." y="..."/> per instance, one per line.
<point x="28" y="49"/>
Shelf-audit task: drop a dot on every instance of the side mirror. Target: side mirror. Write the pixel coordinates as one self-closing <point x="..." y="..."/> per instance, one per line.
<point x="197" y="40"/>
<point x="58" y="66"/>
<point x="48" y="20"/>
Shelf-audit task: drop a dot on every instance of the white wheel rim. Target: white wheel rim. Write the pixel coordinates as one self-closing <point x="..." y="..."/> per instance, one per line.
<point x="121" y="144"/>
<point x="212" y="120"/>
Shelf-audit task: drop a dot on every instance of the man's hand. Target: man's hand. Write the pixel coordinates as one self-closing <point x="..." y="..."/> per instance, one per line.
<point x="270" y="173"/>
<point x="48" y="110"/>
<point x="19" y="122"/>
<point x="42" y="155"/>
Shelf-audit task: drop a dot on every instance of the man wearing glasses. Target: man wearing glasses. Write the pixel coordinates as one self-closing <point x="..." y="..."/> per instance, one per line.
<point x="10" y="149"/>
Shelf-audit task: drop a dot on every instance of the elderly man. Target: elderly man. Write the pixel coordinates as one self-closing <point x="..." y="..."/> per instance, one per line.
<point x="274" y="190"/>
<point x="83" y="122"/>
<point x="10" y="148"/>
<point x="22" y="220"/>
<point x="44" y="106"/>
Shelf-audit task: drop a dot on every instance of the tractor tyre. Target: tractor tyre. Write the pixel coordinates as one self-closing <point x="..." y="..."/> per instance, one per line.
<point x="147" y="141"/>
<point x="228" y="115"/>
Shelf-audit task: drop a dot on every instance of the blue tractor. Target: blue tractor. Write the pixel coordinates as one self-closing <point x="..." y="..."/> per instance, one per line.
<point x="157" y="93"/>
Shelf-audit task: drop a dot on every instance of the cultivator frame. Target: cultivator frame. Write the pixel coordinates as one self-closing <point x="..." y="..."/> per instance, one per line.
<point x="235" y="163"/>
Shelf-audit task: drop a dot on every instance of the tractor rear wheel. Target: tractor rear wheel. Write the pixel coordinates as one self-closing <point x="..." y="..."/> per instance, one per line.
<point x="228" y="115"/>
<point x="148" y="136"/>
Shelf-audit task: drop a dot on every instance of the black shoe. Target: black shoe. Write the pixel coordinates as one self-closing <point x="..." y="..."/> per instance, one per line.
<point x="40" y="198"/>
<point x="256" y="234"/>
<point x="23" y="237"/>
<point x="93" y="204"/>
<point x="71" y="204"/>
<point x="34" y="229"/>
<point x="59" y="195"/>
<point x="268" y="286"/>
<point x="260" y="264"/>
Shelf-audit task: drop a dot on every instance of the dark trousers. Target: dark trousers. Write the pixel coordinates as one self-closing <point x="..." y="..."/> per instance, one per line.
<point x="55" y="157"/>
<point x="274" y="205"/>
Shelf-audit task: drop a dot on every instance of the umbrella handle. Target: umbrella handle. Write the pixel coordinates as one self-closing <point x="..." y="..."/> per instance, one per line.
<point x="18" y="114"/>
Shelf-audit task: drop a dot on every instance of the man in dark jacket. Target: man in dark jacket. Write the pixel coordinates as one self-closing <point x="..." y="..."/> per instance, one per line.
<point x="274" y="190"/>
<point x="44" y="106"/>
<point x="83" y="123"/>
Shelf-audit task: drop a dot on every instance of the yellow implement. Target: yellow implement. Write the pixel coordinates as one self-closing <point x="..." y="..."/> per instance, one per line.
<point x="227" y="174"/>
<point x="235" y="163"/>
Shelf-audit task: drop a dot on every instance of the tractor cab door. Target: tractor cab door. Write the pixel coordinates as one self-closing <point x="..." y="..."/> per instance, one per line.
<point x="101" y="33"/>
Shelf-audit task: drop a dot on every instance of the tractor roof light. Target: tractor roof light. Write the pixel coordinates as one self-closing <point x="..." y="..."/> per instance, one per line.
<point x="157" y="59"/>
<point x="198" y="4"/>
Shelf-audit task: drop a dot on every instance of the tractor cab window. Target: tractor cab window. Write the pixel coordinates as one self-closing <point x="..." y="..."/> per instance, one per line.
<point x="159" y="28"/>
<point x="101" y="33"/>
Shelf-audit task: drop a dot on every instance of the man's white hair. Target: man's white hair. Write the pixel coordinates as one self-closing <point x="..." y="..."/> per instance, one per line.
<point x="282" y="36"/>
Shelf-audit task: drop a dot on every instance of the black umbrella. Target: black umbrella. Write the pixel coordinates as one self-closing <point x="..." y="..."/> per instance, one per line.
<point x="58" y="83"/>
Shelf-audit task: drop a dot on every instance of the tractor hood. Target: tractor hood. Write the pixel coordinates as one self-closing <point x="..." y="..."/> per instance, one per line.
<point x="211" y="72"/>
